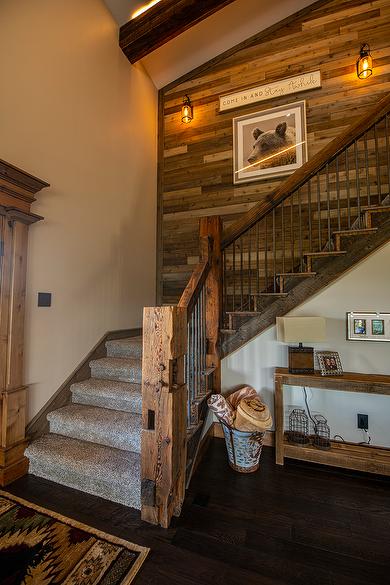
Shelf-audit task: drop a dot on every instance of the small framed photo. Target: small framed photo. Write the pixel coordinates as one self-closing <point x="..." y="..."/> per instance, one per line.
<point x="370" y="326"/>
<point x="359" y="326"/>
<point x="378" y="327"/>
<point x="330" y="363"/>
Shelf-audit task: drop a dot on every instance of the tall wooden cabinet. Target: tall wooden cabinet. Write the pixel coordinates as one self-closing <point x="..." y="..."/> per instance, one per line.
<point x="17" y="193"/>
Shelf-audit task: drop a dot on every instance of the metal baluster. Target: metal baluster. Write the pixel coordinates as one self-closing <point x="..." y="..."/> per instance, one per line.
<point x="292" y="232"/>
<point x="257" y="266"/>
<point x="224" y="280"/>
<point x="204" y="338"/>
<point x="283" y="240"/>
<point x="357" y="180"/>
<point x="198" y="350"/>
<point x="368" y="186"/>
<point x="387" y="150"/>
<point x="242" y="274"/>
<point x="309" y="211"/>
<point x="319" y="212"/>
<point x="187" y="371"/>
<point x="328" y="204"/>
<point x="300" y="230"/>
<point x="266" y="254"/>
<point x="274" y="248"/>
<point x="378" y="166"/>
<point x="249" y="269"/>
<point x="234" y="276"/>
<point x="348" y="187"/>
<point x="338" y="194"/>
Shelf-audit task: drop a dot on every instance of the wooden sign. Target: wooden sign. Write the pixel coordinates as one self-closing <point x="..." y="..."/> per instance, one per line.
<point x="270" y="90"/>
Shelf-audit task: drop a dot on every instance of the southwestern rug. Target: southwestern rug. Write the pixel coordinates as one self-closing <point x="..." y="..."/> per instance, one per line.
<point x="38" y="546"/>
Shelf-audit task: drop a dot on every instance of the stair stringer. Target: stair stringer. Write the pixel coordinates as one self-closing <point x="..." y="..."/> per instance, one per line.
<point x="330" y="270"/>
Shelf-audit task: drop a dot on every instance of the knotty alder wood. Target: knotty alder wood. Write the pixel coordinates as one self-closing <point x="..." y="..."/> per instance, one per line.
<point x="17" y="193"/>
<point x="349" y="455"/>
<point x="198" y="180"/>
<point x="162" y="23"/>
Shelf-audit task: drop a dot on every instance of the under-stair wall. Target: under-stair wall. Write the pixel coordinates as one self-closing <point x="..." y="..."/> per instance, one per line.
<point x="365" y="287"/>
<point x="196" y="169"/>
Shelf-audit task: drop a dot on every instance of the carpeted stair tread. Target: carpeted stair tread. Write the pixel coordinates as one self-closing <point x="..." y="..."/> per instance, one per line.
<point x="121" y="369"/>
<point x="108" y="394"/>
<point x="113" y="428"/>
<point x="131" y="347"/>
<point x="110" y="473"/>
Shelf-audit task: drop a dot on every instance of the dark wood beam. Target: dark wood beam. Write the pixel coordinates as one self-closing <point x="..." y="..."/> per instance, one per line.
<point x="162" y="23"/>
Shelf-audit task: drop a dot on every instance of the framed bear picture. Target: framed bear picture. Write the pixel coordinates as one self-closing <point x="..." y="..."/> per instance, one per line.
<point x="271" y="143"/>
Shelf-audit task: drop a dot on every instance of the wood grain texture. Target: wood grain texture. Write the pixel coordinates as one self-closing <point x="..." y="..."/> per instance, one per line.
<point x="367" y="458"/>
<point x="162" y="23"/>
<point x="17" y="193"/>
<point x="164" y="414"/>
<point x="199" y="182"/>
<point x="39" y="425"/>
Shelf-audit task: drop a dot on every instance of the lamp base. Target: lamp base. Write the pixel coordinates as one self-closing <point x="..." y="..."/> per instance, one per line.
<point x="300" y="360"/>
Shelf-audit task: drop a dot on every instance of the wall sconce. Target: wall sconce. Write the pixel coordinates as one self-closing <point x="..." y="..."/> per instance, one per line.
<point x="187" y="111"/>
<point x="364" y="63"/>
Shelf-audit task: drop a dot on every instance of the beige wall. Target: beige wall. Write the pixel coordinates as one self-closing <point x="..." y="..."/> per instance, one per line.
<point x="74" y="112"/>
<point x="364" y="288"/>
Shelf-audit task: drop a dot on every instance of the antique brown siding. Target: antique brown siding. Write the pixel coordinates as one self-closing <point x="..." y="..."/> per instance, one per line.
<point x="196" y="161"/>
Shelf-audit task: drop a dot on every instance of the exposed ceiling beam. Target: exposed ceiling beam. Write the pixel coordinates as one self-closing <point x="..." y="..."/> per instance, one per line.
<point x="160" y="24"/>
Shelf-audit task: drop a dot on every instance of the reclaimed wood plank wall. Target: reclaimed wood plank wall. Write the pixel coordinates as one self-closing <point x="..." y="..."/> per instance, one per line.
<point x="196" y="159"/>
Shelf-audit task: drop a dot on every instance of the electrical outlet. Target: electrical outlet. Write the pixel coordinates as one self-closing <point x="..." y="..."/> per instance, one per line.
<point x="362" y="421"/>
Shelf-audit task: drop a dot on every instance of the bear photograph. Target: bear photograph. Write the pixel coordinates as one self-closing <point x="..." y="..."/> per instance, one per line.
<point x="269" y="144"/>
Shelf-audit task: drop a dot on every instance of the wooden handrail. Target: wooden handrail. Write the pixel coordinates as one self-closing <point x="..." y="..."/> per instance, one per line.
<point x="194" y="286"/>
<point x="306" y="171"/>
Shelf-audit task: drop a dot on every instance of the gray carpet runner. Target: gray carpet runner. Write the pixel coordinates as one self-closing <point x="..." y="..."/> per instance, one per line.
<point x="94" y="443"/>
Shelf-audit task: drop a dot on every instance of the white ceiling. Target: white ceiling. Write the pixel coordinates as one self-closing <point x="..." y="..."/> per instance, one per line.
<point x="123" y="9"/>
<point x="221" y="31"/>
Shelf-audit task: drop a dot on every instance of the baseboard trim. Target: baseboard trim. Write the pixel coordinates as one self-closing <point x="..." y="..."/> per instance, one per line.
<point x="217" y="433"/>
<point x="39" y="425"/>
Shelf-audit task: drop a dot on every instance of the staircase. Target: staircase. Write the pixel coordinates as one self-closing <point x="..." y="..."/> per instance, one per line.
<point x="320" y="222"/>
<point x="94" y="443"/>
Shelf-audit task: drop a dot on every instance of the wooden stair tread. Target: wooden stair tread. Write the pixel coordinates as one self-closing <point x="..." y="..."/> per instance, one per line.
<point x="270" y="294"/>
<point x="327" y="253"/>
<point x="228" y="331"/>
<point x="358" y="231"/>
<point x="375" y="208"/>
<point x="241" y="312"/>
<point x="297" y="274"/>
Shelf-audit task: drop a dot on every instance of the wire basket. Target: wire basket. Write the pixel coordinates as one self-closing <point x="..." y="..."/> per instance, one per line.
<point x="321" y="437"/>
<point x="298" y="432"/>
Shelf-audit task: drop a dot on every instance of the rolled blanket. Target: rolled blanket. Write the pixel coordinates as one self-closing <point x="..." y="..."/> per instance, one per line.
<point x="253" y="415"/>
<point x="222" y="408"/>
<point x="244" y="392"/>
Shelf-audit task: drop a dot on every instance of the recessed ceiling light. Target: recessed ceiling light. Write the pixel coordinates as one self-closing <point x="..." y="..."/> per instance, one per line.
<point x="144" y="8"/>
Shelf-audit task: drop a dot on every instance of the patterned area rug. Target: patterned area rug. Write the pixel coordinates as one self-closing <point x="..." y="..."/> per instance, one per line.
<point x="38" y="546"/>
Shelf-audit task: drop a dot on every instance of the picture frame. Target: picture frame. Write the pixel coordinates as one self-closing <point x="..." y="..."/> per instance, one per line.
<point x="330" y="363"/>
<point x="268" y="144"/>
<point x="368" y="326"/>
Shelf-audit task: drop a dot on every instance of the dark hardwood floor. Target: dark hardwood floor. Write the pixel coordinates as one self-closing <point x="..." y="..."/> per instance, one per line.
<point x="295" y="525"/>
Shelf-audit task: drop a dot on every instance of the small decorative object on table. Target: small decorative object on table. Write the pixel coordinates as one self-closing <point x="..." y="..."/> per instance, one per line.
<point x="298" y="432"/>
<point x="330" y="363"/>
<point x="321" y="437"/>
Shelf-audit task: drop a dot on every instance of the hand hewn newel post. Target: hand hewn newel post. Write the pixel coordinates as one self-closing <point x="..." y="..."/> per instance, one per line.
<point x="164" y="414"/>
<point x="211" y="230"/>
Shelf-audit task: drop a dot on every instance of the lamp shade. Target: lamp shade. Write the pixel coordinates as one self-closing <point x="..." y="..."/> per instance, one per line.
<point x="300" y="329"/>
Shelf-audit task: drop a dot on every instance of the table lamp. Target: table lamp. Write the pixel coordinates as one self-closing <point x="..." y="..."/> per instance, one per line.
<point x="300" y="330"/>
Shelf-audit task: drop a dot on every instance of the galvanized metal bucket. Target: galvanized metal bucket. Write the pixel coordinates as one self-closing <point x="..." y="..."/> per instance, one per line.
<point x="244" y="449"/>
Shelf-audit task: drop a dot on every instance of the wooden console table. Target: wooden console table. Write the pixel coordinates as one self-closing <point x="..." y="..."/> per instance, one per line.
<point x="349" y="455"/>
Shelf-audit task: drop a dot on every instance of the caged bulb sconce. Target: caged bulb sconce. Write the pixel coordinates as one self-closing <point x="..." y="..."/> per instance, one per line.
<point x="364" y="63"/>
<point x="187" y="112"/>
